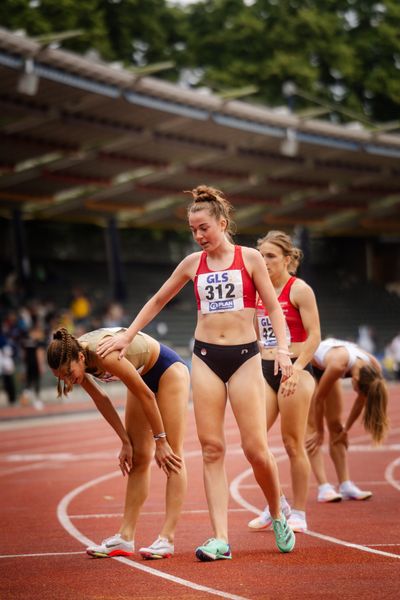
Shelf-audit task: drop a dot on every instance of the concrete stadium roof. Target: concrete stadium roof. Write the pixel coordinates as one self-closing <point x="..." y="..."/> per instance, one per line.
<point x="83" y="141"/>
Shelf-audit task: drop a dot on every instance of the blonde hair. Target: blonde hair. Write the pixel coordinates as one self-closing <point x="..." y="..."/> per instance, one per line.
<point x="284" y="242"/>
<point x="213" y="200"/>
<point x="372" y="385"/>
<point x="62" y="350"/>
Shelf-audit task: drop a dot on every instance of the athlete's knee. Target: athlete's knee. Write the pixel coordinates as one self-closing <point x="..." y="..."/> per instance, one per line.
<point x="293" y="446"/>
<point x="213" y="450"/>
<point x="142" y="458"/>
<point x="334" y="427"/>
<point x="255" y="452"/>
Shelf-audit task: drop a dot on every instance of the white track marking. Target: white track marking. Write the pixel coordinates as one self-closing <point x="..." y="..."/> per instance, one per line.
<point x="61" y="456"/>
<point x="377" y="545"/>
<point x="234" y="489"/>
<point x="201" y="511"/>
<point x="389" y="474"/>
<point x="62" y="514"/>
<point x="39" y="554"/>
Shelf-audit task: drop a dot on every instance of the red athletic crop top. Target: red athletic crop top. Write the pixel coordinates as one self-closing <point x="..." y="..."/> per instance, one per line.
<point x="222" y="291"/>
<point x="295" y="331"/>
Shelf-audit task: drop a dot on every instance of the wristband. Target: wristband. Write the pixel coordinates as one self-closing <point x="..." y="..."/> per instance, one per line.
<point x="159" y="436"/>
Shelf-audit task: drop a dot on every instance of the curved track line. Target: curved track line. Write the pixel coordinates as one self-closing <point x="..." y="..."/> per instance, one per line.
<point x="234" y="489"/>
<point x="389" y="473"/>
<point x="62" y="514"/>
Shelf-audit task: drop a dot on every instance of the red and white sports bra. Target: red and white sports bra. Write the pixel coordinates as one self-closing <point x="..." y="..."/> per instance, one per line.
<point x="295" y="331"/>
<point x="222" y="291"/>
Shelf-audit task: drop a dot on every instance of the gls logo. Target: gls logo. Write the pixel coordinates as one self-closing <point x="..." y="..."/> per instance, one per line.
<point x="217" y="278"/>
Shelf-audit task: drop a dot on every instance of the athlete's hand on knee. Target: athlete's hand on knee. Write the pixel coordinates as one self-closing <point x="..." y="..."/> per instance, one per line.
<point x="111" y="343"/>
<point x="341" y="438"/>
<point x="314" y="441"/>
<point x="166" y="459"/>
<point x="126" y="458"/>
<point x="289" y="384"/>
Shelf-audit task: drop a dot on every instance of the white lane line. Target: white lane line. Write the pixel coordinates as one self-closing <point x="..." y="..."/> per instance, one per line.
<point x="40" y="554"/>
<point x="111" y="455"/>
<point x="252" y="486"/>
<point x="64" y="519"/>
<point x="234" y="489"/>
<point x="42" y="465"/>
<point x="63" y="456"/>
<point x="377" y="545"/>
<point x="201" y="511"/>
<point x="374" y="449"/>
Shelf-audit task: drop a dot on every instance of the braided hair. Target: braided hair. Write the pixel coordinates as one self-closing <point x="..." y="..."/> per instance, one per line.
<point x="213" y="200"/>
<point x="62" y="350"/>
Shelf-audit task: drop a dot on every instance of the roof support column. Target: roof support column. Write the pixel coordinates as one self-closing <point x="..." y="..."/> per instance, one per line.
<point x="306" y="270"/>
<point x="21" y="257"/>
<point x="115" y="266"/>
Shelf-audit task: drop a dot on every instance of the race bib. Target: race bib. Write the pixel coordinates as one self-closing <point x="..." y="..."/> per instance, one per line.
<point x="267" y="334"/>
<point x="220" y="291"/>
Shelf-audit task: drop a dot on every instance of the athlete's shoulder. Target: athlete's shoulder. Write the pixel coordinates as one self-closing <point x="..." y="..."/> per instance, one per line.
<point x="249" y="251"/>
<point x="190" y="263"/>
<point x="299" y="286"/>
<point x="192" y="258"/>
<point x="250" y="254"/>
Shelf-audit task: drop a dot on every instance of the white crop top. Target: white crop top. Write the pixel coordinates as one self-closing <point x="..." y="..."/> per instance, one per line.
<point x="353" y="351"/>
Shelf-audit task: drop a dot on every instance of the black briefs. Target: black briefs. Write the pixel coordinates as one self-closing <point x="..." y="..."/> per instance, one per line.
<point x="275" y="380"/>
<point x="224" y="360"/>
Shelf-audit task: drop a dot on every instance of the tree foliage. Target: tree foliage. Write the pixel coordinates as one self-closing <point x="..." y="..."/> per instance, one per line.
<point x="345" y="52"/>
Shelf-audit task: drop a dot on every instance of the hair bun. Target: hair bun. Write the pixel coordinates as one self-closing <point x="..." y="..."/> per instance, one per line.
<point x="58" y="335"/>
<point x="204" y="193"/>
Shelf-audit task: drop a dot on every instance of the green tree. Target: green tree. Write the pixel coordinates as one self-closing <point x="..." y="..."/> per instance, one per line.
<point x="344" y="52"/>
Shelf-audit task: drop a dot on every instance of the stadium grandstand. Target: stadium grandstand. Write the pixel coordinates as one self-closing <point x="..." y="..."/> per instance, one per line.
<point x="94" y="160"/>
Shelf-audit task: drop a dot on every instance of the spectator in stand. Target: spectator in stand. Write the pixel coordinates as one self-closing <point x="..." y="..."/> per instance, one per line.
<point x="33" y="345"/>
<point x="7" y="369"/>
<point x="115" y="315"/>
<point x="366" y="339"/>
<point x="393" y="351"/>
<point x="80" y="307"/>
<point x="336" y="359"/>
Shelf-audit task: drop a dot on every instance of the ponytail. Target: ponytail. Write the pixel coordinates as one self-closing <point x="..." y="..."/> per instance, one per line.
<point x="373" y="386"/>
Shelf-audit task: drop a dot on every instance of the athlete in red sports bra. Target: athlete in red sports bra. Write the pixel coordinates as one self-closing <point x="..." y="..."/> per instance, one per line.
<point x="303" y="335"/>
<point x="226" y="360"/>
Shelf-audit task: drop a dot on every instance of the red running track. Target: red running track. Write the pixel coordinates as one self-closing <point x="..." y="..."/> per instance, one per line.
<point x="61" y="489"/>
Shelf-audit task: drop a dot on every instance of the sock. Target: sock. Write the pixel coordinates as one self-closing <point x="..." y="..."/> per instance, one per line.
<point x="324" y="487"/>
<point x="284" y="502"/>
<point x="299" y="513"/>
<point x="346" y="485"/>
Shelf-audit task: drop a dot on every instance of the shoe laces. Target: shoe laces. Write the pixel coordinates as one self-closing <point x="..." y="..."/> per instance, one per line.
<point x="280" y="526"/>
<point x="160" y="541"/>
<point x="111" y="537"/>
